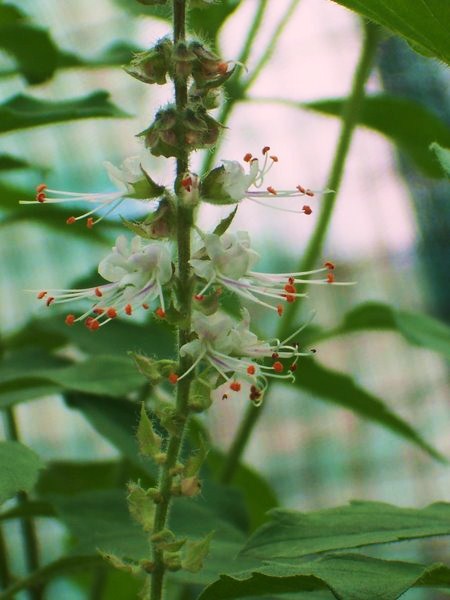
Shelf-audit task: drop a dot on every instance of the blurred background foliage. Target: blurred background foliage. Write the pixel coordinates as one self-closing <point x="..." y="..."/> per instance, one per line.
<point x="369" y="418"/>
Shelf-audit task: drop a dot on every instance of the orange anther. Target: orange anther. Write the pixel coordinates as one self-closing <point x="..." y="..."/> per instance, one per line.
<point x="128" y="309"/>
<point x="278" y="367"/>
<point x="301" y="189"/>
<point x="330" y="278"/>
<point x="309" y="192"/>
<point x="98" y="311"/>
<point x="307" y="209"/>
<point x="88" y="321"/>
<point x="248" y="157"/>
<point x="40" y="197"/>
<point x="41" y="295"/>
<point x="173" y="378"/>
<point x="89" y="222"/>
<point x="94" y="325"/>
<point x="251" y="369"/>
<point x="50" y="299"/>
<point x="279" y="310"/>
<point x="70" y="319"/>
<point x="290" y="298"/>
<point x="222" y="68"/>
<point x="329" y="265"/>
<point x="274" y="158"/>
<point x="98" y="292"/>
<point x="145" y="306"/>
<point x="290" y="288"/>
<point x="187" y="183"/>
<point x="235" y="386"/>
<point x="199" y="297"/>
<point x="70" y="220"/>
<point x="293" y="368"/>
<point x="275" y="355"/>
<point x="266" y="149"/>
<point x="112" y="313"/>
<point x="160" y="312"/>
<point x="272" y="190"/>
<point x="40" y="188"/>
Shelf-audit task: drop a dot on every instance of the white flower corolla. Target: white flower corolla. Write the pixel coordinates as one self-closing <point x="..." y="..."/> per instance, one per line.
<point x="229" y="347"/>
<point x="228" y="260"/>
<point x="130" y="179"/>
<point x="136" y="272"/>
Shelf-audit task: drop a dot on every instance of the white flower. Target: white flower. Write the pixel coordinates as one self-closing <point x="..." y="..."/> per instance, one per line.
<point x="130" y="180"/>
<point x="136" y="272"/>
<point x="228" y="260"/>
<point x="233" y="351"/>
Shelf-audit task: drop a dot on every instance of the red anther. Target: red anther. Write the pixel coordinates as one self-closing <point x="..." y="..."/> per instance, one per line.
<point x="235" y="386"/>
<point x="88" y="321"/>
<point x="187" y="183"/>
<point x="291" y="280"/>
<point x="50" y="299"/>
<point x="290" y="298"/>
<point x="70" y="320"/>
<point x="309" y="192"/>
<point x="290" y="288"/>
<point x="275" y="355"/>
<point x="70" y="220"/>
<point x="293" y="368"/>
<point x="248" y="157"/>
<point x="266" y="149"/>
<point x="251" y="370"/>
<point x="94" y="325"/>
<point x="330" y="278"/>
<point x="272" y="190"/>
<point x="112" y="313"/>
<point x="89" y="222"/>
<point x="145" y="306"/>
<point x="41" y="295"/>
<point x="98" y="292"/>
<point x="173" y="378"/>
<point x="40" y="197"/>
<point x="40" y="188"/>
<point x="278" y="367"/>
<point x="301" y="189"/>
<point x="199" y="297"/>
<point x="307" y="209"/>
<point x="128" y="309"/>
<point x="160" y="312"/>
<point x="222" y="68"/>
<point x="329" y="265"/>
<point x="98" y="311"/>
<point x="279" y="310"/>
<point x="274" y="158"/>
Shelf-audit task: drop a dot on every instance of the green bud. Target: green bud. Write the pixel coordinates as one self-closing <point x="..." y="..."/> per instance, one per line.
<point x="119" y="564"/>
<point x="141" y="505"/>
<point x="190" y="487"/>
<point x="149" y="441"/>
<point x="152" y="65"/>
<point x="211" y="187"/>
<point x="148" y="367"/>
<point x="195" y="554"/>
<point x="161" y="135"/>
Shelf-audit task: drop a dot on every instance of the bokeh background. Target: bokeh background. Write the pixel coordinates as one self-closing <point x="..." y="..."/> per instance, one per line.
<point x="389" y="234"/>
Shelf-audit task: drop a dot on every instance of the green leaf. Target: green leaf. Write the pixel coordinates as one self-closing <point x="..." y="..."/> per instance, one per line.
<point x="424" y="23"/>
<point x="443" y="156"/>
<point x="208" y="22"/>
<point x="292" y="534"/>
<point x="117" y="54"/>
<point x="10" y="163"/>
<point x="393" y="117"/>
<point x="221" y="228"/>
<point x="341" y="389"/>
<point x="195" y="554"/>
<point x="347" y="576"/>
<point x="20" y="469"/>
<point x="149" y="441"/>
<point x="22" y="111"/>
<point x="416" y="328"/>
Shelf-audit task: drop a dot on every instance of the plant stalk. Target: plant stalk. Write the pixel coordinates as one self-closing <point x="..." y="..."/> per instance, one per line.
<point x="184" y="224"/>
<point x="350" y="115"/>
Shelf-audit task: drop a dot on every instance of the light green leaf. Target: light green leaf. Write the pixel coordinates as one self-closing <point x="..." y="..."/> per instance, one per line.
<point x="347" y="576"/>
<point x="393" y="117"/>
<point x="19" y="471"/>
<point x="23" y="111"/>
<point x="424" y="23"/>
<point x="443" y="156"/>
<point x="341" y="389"/>
<point x="292" y="534"/>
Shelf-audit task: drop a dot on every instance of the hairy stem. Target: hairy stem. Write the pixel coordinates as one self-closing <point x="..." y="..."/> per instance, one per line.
<point x="29" y="535"/>
<point x="184" y="223"/>
<point x="350" y="116"/>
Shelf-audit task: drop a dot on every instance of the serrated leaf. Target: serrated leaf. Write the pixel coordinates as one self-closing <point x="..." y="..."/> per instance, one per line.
<point x="424" y="23"/>
<point x="443" y="156"/>
<point x="292" y="534"/>
<point x="20" y="469"/>
<point x="22" y="111"/>
<point x="341" y="389"/>
<point x="392" y="116"/>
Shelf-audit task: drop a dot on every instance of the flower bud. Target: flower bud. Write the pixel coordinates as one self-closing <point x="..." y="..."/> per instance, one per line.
<point x="190" y="487"/>
<point x="209" y="70"/>
<point x="161" y="136"/>
<point x="152" y="65"/>
<point x="182" y="61"/>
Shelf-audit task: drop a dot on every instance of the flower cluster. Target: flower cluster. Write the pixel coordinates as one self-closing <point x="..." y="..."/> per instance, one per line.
<point x="136" y="273"/>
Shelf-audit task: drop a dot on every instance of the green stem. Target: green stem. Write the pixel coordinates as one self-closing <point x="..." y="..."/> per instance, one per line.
<point x="30" y="540"/>
<point x="350" y="117"/>
<point x="5" y="573"/>
<point x="184" y="224"/>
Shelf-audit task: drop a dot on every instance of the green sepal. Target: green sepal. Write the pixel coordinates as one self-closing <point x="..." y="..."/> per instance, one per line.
<point x="149" y="441"/>
<point x="160" y="224"/>
<point x="120" y="564"/>
<point x="211" y="188"/>
<point x="141" y="505"/>
<point x="154" y="370"/>
<point x="196" y="460"/>
<point x="172" y="546"/>
<point x="146" y="188"/>
<point x="222" y="227"/>
<point x="195" y="553"/>
<point x="172" y="560"/>
<point x="151" y="66"/>
<point x="200" y="395"/>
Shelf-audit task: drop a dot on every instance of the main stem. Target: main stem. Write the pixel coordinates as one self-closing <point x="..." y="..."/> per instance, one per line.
<point x="350" y="116"/>
<point x="184" y="223"/>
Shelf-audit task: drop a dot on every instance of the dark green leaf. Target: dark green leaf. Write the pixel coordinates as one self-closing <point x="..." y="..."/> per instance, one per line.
<point x="10" y="163"/>
<point x="393" y="117"/>
<point x="119" y="53"/>
<point x="23" y="111"/>
<point x="443" y="156"/>
<point x="20" y="469"/>
<point x="28" y="509"/>
<point x="341" y="389"/>
<point x="424" y="23"/>
<point x="291" y="534"/>
<point x="347" y="576"/>
<point x="207" y="22"/>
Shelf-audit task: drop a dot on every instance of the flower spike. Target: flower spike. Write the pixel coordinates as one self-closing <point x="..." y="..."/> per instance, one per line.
<point x="136" y="273"/>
